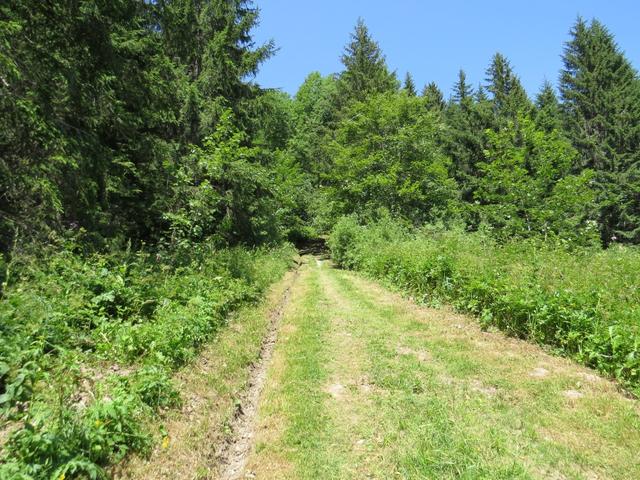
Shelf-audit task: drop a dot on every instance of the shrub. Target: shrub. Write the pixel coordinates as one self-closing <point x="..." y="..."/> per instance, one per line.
<point x="68" y="440"/>
<point x="343" y="239"/>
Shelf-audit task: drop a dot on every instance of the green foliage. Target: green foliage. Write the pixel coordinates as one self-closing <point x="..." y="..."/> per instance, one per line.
<point x="68" y="321"/>
<point x="75" y="443"/>
<point x="222" y="57"/>
<point x="433" y="97"/>
<point x="467" y="119"/>
<point x="601" y="98"/>
<point x="100" y="100"/>
<point x="548" y="113"/>
<point x="296" y="193"/>
<point x="526" y="187"/>
<point x="409" y="85"/>
<point x="223" y="192"/>
<point x="313" y="115"/>
<point x="134" y="123"/>
<point x="462" y="91"/>
<point x="342" y="240"/>
<point x="366" y="71"/>
<point x="509" y="96"/>
<point x="386" y="155"/>
<point x="274" y="120"/>
<point x="582" y="302"/>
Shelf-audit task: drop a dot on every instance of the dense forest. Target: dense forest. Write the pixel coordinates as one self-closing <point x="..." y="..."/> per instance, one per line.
<point x="145" y="178"/>
<point x="139" y="121"/>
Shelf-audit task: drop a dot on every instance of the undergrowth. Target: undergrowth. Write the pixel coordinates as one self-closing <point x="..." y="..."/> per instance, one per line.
<point x="583" y="302"/>
<point x="88" y="344"/>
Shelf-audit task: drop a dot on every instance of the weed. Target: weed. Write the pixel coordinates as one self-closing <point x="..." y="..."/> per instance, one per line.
<point x="582" y="302"/>
<point x="88" y="345"/>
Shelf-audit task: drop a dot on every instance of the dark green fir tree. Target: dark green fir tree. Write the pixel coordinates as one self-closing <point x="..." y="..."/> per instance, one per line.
<point x="409" y="85"/>
<point x="433" y="97"/>
<point x="462" y="91"/>
<point x="601" y="98"/>
<point x="508" y="94"/>
<point x="366" y="70"/>
<point x="548" y="114"/>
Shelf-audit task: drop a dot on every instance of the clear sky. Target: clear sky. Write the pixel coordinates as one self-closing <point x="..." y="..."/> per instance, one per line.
<point x="434" y="39"/>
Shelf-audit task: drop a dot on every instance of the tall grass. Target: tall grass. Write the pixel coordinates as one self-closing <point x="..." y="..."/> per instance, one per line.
<point x="88" y="344"/>
<point x="585" y="303"/>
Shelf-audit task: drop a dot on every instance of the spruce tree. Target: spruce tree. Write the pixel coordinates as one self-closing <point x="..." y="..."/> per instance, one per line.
<point x="601" y="98"/>
<point x="508" y="94"/>
<point x="99" y="101"/>
<point x="433" y="97"/>
<point x="409" y="85"/>
<point x="229" y="57"/>
<point x="481" y="94"/>
<point x="468" y="121"/>
<point x="462" y="90"/>
<point x="366" y="70"/>
<point x="548" y="114"/>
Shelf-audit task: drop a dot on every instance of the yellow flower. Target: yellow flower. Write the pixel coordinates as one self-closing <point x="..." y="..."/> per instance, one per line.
<point x="61" y="477"/>
<point x="165" y="442"/>
<point x="98" y="423"/>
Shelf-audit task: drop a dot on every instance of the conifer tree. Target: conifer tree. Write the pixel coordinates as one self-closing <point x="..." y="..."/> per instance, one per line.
<point x="366" y="70"/>
<point x="467" y="120"/>
<point x="433" y="97"/>
<point x="508" y="94"/>
<point x="100" y="100"/>
<point x="462" y="90"/>
<point x="481" y="94"/>
<point x="229" y="57"/>
<point x="211" y="40"/>
<point x="548" y="114"/>
<point x="409" y="85"/>
<point x="601" y="98"/>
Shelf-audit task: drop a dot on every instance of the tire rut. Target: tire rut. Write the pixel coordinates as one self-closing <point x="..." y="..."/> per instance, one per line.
<point x="234" y="453"/>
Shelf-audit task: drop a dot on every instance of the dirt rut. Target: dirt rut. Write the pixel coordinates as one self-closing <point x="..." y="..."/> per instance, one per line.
<point x="233" y="456"/>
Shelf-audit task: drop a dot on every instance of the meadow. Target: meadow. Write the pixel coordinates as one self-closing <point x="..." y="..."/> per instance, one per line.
<point x="581" y="302"/>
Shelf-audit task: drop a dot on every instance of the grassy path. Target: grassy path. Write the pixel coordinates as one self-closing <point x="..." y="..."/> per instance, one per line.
<point x="364" y="384"/>
<point x="212" y="390"/>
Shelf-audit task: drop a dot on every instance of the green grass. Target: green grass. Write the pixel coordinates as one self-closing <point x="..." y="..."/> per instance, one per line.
<point x="425" y="394"/>
<point x="213" y="386"/>
<point x="583" y="303"/>
<point x="88" y="346"/>
<point x="304" y="372"/>
<point x="430" y="431"/>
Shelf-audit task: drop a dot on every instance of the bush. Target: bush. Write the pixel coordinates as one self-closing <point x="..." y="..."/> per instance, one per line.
<point x="71" y="441"/>
<point x="343" y="239"/>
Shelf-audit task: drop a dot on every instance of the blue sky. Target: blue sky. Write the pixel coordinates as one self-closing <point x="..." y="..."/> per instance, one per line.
<point x="434" y="39"/>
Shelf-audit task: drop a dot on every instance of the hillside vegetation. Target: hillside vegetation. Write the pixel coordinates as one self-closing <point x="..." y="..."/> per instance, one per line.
<point x="365" y="383"/>
<point x="149" y="187"/>
<point x="89" y="346"/>
<point x="583" y="303"/>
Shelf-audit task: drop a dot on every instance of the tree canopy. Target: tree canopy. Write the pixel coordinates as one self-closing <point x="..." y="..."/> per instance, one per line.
<point x="141" y="121"/>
